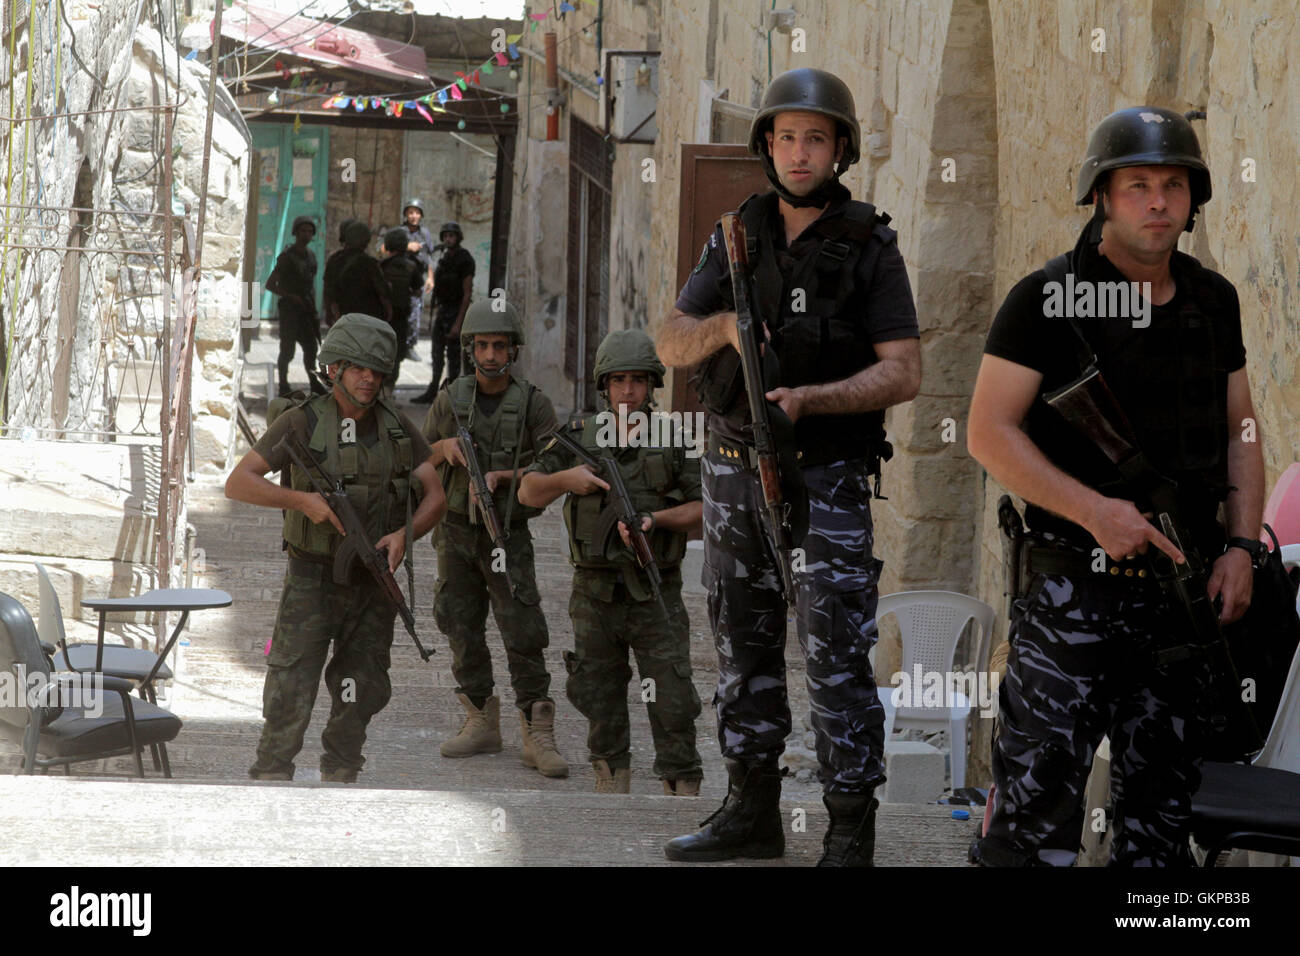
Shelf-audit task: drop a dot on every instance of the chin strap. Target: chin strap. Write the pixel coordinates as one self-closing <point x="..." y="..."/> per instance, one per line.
<point x="496" y="373"/>
<point x="344" y="365"/>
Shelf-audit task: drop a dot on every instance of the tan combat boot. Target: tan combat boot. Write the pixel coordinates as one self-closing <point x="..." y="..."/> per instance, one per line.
<point x="539" y="741"/>
<point x="682" y="788"/>
<point x="612" y="781"/>
<point x="481" y="733"/>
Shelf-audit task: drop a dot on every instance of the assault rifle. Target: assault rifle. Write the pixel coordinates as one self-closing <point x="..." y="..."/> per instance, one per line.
<point x="780" y="524"/>
<point x="482" y="499"/>
<point x="355" y="546"/>
<point x="1089" y="405"/>
<point x="606" y="467"/>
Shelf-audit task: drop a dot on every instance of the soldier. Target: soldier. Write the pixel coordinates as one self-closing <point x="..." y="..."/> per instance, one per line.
<point x="509" y="421"/>
<point x="1083" y="645"/>
<point x="385" y="464"/>
<point x="612" y="607"/>
<point x="353" y="282"/>
<point x="453" y="281"/>
<point x="838" y="311"/>
<point x="404" y="281"/>
<point x="419" y="249"/>
<point x="294" y="280"/>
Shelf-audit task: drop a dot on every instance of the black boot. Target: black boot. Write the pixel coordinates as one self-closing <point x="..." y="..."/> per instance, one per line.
<point x="748" y="824"/>
<point x="851" y="838"/>
<point x="427" y="396"/>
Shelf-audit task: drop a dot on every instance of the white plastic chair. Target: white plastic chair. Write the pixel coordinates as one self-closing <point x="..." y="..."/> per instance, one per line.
<point x="931" y="623"/>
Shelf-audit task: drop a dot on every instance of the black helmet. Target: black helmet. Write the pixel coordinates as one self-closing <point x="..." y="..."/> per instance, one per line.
<point x="301" y="221"/>
<point x="1144" y="136"/>
<point x="451" y="227"/>
<point x="413" y="201"/>
<point x="343" y="228"/>
<point x="810" y="91"/>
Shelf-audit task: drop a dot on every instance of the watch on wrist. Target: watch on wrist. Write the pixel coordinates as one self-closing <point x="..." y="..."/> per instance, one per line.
<point x="1256" y="548"/>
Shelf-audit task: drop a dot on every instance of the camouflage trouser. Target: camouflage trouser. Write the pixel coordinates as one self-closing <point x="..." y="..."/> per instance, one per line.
<point x="1081" y="666"/>
<point x="606" y="622"/>
<point x="466" y="586"/>
<point x="313" y="612"/>
<point x="835" y="616"/>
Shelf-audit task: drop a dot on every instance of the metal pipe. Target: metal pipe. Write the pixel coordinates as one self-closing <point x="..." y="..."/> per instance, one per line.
<point x="552" y="90"/>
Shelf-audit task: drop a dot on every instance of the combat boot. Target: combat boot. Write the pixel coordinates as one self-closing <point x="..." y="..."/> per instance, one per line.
<point x="539" y="740"/>
<point x="481" y="733"/>
<point x="851" y="837"/>
<point x="748" y="824"/>
<point x="682" y="788"/>
<point x="612" y="781"/>
<point x="341" y="775"/>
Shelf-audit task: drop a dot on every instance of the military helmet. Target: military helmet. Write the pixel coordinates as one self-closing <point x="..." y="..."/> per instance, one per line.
<point x="362" y="340"/>
<point x="1144" y="136"/>
<point x="451" y="227"/>
<point x="413" y="201"/>
<point x="356" y="234"/>
<point x="482" y="319"/>
<point x="628" y="350"/>
<point x="343" y="228"/>
<point x="811" y="91"/>
<point x="303" y="220"/>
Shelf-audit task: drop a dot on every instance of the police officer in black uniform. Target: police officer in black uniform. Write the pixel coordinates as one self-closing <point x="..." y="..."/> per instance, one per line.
<point x="1091" y="634"/>
<point x="453" y="281"/>
<point x="836" y="304"/>
<point x="294" y="280"/>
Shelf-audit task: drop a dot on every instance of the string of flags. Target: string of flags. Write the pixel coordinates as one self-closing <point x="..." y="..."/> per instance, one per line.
<point x="435" y="102"/>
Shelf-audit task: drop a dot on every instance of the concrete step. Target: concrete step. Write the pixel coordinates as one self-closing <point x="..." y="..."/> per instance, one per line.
<point x="119" y="823"/>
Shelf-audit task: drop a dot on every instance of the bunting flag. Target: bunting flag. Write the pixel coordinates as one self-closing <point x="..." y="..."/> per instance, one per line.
<point x="455" y="90"/>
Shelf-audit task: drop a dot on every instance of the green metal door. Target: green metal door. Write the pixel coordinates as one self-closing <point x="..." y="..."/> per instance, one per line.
<point x="293" y="174"/>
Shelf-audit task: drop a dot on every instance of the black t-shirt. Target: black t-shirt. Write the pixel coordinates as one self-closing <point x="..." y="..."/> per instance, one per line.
<point x="449" y="275"/>
<point x="1022" y="333"/>
<point x="294" y="274"/>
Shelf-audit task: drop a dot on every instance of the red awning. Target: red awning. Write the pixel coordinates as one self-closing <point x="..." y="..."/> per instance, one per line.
<point x="320" y="41"/>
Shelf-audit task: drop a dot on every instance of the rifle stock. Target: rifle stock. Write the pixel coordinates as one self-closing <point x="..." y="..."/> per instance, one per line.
<point x="355" y="546"/>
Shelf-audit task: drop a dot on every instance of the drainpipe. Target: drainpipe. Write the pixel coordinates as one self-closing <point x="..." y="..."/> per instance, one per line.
<point x="552" y="90"/>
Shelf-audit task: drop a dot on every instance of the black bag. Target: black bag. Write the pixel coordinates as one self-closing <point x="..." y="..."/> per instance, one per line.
<point x="1262" y="643"/>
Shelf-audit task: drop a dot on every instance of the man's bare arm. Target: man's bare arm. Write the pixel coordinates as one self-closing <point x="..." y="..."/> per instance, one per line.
<point x="684" y="340"/>
<point x="248" y="483"/>
<point x="893" y="379"/>
<point x="1003" y="393"/>
<point x="433" y="506"/>
<point x="1244" y="508"/>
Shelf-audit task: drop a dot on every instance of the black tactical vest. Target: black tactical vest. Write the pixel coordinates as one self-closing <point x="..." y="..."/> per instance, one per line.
<point x="1171" y="381"/>
<point x="815" y="309"/>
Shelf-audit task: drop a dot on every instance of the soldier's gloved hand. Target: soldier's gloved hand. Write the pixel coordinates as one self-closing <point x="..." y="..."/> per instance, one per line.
<point x="395" y="545"/>
<point x="647" y="525"/>
<point x="1233" y="578"/>
<point x="317" y="509"/>
<point x="582" y="481"/>
<point x="1123" y="532"/>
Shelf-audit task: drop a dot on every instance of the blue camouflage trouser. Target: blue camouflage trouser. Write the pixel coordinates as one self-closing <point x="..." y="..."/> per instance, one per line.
<point x="1081" y="666"/>
<point x="835" y="617"/>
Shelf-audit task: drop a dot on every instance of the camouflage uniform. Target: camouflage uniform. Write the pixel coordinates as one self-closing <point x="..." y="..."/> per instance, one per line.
<point x="835" y="618"/>
<point x="613" y="609"/>
<point x="314" y="611"/>
<point x="1091" y="643"/>
<point x="467" y="584"/>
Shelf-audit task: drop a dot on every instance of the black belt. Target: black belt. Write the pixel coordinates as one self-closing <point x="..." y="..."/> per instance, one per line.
<point x="747" y="457"/>
<point x="1048" y="559"/>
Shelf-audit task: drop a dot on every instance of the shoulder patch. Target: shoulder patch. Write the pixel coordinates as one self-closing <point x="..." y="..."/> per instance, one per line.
<point x="704" y="258"/>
